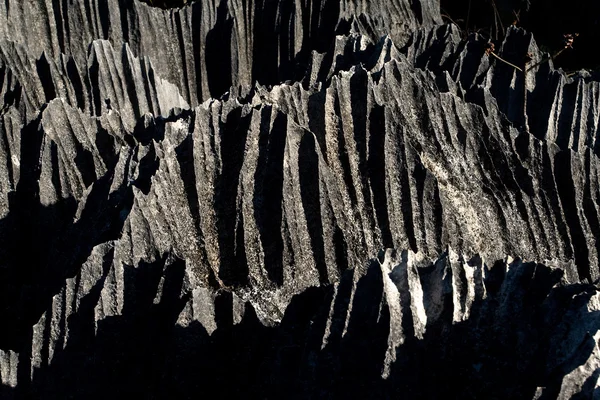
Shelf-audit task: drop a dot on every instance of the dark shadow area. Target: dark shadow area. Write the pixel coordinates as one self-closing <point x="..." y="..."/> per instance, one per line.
<point x="168" y="3"/>
<point x="99" y="357"/>
<point x="563" y="174"/>
<point x="234" y="268"/>
<point x="44" y="245"/>
<point x="308" y="171"/>
<point x="75" y="79"/>
<point x="94" y="82"/>
<point x="406" y="206"/>
<point x="185" y="157"/>
<point x="11" y="87"/>
<point x="376" y="172"/>
<point x="548" y="20"/>
<point x="218" y="53"/>
<point x="267" y="37"/>
<point x="512" y="342"/>
<point x="268" y="191"/>
<point x="129" y="71"/>
<point x="276" y="56"/>
<point x="43" y="71"/>
<point x="275" y="24"/>
<point x="591" y="216"/>
<point x="148" y="166"/>
<point x="510" y="96"/>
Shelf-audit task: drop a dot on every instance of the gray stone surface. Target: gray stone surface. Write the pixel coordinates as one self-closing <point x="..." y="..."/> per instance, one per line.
<point x="207" y="199"/>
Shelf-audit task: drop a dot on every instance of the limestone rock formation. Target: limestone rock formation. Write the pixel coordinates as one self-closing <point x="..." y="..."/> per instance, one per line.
<point x="291" y="199"/>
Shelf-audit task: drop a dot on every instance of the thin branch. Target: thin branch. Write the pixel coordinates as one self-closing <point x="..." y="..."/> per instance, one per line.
<point x="450" y="19"/>
<point x="497" y="17"/>
<point x="496" y="26"/>
<point x="547" y="59"/>
<point x="505" y="62"/>
<point x="468" y="16"/>
<point x="517" y="20"/>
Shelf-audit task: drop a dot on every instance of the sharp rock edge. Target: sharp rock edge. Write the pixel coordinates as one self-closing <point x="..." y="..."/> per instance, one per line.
<point x="161" y="241"/>
<point x="210" y="45"/>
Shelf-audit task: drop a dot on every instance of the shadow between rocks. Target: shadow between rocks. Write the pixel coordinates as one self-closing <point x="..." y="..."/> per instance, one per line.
<point x="526" y="333"/>
<point x="45" y="245"/>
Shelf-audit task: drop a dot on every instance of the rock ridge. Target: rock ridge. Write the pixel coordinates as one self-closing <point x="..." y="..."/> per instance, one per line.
<point x="212" y="195"/>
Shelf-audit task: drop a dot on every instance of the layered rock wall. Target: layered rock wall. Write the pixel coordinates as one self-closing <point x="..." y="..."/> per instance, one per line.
<point x="203" y="197"/>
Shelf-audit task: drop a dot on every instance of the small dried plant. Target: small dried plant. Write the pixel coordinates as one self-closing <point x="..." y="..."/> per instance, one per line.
<point x="490" y="49"/>
<point x="568" y="39"/>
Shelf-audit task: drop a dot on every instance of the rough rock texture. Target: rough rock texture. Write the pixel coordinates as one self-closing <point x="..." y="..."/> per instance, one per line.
<point x="211" y="45"/>
<point x="160" y="243"/>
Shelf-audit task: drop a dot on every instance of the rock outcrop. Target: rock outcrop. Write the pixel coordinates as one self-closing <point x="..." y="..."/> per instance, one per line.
<point x="207" y="199"/>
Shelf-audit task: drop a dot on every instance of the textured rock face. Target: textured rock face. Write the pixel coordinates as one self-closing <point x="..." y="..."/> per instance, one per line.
<point x="202" y="198"/>
<point x="211" y="45"/>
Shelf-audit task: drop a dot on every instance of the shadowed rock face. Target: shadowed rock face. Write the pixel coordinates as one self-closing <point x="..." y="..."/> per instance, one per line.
<point x="202" y="198"/>
<point x="548" y="20"/>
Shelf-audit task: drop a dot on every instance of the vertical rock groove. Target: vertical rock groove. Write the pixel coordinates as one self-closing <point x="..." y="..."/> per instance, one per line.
<point x="291" y="198"/>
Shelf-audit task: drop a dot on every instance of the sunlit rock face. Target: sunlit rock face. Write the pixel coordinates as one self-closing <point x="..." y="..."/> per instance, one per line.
<point x="291" y="199"/>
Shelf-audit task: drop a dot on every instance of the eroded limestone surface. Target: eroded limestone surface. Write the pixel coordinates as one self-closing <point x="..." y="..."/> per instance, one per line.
<point x="208" y="198"/>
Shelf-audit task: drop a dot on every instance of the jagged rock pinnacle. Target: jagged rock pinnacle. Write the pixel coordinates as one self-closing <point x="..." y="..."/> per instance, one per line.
<point x="291" y="199"/>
